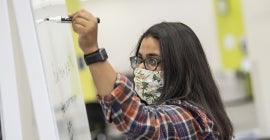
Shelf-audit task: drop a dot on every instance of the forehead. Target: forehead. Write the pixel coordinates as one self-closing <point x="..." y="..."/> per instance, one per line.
<point x="149" y="46"/>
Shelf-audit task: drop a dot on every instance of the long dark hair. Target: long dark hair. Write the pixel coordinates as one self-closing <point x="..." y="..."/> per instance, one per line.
<point x="187" y="75"/>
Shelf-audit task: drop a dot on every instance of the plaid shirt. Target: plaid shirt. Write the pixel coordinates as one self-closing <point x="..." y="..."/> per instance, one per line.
<point x="173" y="120"/>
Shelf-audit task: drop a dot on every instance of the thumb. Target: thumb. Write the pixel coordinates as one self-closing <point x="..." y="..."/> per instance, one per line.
<point x="71" y="14"/>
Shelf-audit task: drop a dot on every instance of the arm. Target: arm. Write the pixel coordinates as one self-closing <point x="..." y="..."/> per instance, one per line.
<point x="122" y="106"/>
<point x="85" y="25"/>
<point x="172" y="120"/>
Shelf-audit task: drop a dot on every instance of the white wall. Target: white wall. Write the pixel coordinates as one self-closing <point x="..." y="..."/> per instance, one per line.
<point x="257" y="20"/>
<point x="123" y="21"/>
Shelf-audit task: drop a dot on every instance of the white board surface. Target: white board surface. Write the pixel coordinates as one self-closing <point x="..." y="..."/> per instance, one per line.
<point x="53" y="77"/>
<point x="63" y="81"/>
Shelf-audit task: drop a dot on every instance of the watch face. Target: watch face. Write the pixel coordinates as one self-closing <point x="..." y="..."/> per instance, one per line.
<point x="103" y="54"/>
<point x="97" y="56"/>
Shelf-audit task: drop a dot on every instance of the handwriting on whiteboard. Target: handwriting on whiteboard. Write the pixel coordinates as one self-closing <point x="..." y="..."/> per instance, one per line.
<point x="62" y="71"/>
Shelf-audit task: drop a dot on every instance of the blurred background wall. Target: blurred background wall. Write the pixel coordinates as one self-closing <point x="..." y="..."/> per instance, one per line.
<point x="123" y="21"/>
<point x="257" y="21"/>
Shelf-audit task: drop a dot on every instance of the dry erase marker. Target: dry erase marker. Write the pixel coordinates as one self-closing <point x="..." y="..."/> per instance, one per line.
<point x="59" y="19"/>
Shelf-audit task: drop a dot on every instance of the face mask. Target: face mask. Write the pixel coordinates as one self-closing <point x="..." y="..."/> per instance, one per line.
<point x="148" y="84"/>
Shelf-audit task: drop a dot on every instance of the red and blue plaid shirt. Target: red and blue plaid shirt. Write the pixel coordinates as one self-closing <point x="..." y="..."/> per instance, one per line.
<point x="172" y="120"/>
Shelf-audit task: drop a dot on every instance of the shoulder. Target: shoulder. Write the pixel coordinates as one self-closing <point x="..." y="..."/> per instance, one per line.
<point x="192" y="115"/>
<point x="186" y="107"/>
<point x="182" y="110"/>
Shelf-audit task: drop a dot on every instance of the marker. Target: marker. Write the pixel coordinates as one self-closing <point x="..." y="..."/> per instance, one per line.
<point x="59" y="19"/>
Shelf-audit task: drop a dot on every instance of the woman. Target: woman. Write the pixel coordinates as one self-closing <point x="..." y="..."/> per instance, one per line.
<point x="175" y="95"/>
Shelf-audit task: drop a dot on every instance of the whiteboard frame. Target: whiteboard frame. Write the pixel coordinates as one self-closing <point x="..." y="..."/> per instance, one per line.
<point x="9" y="100"/>
<point x="44" y="115"/>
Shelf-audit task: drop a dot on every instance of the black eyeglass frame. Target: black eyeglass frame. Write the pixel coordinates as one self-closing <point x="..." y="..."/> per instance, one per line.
<point x="135" y="61"/>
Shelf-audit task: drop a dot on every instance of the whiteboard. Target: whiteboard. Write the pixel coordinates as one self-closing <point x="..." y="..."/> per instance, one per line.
<point x="53" y="77"/>
<point x="63" y="82"/>
<point x="9" y="102"/>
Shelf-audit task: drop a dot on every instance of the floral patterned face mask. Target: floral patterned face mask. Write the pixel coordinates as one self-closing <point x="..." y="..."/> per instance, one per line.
<point x="148" y="84"/>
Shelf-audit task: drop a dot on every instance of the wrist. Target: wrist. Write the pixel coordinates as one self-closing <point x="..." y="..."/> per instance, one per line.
<point x="90" y="50"/>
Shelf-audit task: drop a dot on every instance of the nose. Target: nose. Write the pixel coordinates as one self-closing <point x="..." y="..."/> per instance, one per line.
<point x="141" y="65"/>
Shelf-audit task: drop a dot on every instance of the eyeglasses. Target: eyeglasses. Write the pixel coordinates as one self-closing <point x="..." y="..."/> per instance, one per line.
<point x="150" y="63"/>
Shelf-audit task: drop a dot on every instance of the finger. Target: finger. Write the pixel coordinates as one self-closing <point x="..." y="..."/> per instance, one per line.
<point x="78" y="28"/>
<point x="87" y="16"/>
<point x="71" y="14"/>
<point x="82" y="26"/>
<point x="82" y="21"/>
<point x="83" y="14"/>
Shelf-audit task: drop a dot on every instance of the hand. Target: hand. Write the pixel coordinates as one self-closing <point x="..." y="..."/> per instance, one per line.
<point x="86" y="26"/>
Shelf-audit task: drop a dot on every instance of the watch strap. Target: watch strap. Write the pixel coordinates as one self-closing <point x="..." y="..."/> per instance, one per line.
<point x="97" y="56"/>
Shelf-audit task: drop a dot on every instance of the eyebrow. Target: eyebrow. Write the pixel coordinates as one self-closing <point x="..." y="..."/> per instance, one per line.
<point x="149" y="55"/>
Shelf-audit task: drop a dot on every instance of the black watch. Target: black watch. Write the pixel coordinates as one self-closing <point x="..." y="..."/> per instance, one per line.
<point x="97" y="56"/>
